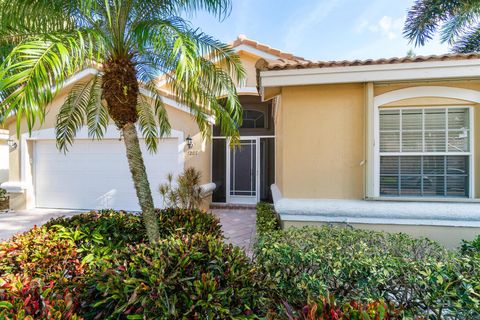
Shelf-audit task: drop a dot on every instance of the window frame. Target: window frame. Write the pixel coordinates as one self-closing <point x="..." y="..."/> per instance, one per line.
<point x="470" y="153"/>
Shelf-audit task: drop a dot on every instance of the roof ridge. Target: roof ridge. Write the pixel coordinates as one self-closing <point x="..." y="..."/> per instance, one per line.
<point x="242" y="39"/>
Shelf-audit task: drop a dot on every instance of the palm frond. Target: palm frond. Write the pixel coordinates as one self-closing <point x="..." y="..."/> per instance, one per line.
<point x="96" y="113"/>
<point x="469" y="41"/>
<point x="34" y="72"/>
<point x="157" y="8"/>
<point x="456" y="25"/>
<point x="425" y="17"/>
<point x="72" y="114"/>
<point x="147" y="123"/>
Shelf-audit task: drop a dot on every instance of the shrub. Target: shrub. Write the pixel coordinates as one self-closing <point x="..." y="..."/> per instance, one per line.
<point x="356" y="265"/>
<point x="3" y="194"/>
<point x="25" y="298"/>
<point x="193" y="277"/>
<point x="187" y="222"/>
<point x="267" y="220"/>
<point x="97" y="234"/>
<point x="471" y="247"/>
<point x="330" y="309"/>
<point x="40" y="253"/>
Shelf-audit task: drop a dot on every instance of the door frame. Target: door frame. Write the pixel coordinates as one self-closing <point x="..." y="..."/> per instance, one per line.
<point x="257" y="171"/>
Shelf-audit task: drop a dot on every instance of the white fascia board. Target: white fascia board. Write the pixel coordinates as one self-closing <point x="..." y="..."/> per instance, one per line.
<point x="247" y="91"/>
<point x="254" y="51"/>
<point x="372" y="73"/>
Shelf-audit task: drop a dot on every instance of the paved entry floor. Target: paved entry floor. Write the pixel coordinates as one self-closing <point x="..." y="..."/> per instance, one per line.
<point x="238" y="226"/>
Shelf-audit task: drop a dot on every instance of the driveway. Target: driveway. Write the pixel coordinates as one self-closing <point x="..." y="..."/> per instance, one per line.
<point x="21" y="221"/>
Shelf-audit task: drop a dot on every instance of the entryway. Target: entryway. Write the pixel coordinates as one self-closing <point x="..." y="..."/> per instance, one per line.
<point x="244" y="173"/>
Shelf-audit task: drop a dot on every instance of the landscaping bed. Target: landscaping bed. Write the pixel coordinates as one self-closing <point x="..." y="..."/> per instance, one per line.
<point x="99" y="265"/>
<point x="416" y="276"/>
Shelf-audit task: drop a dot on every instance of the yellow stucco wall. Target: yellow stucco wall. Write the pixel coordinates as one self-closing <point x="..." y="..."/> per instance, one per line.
<point x="321" y="144"/>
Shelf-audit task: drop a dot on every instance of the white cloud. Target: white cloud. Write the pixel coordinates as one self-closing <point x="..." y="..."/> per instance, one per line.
<point x="305" y="20"/>
<point x="387" y="26"/>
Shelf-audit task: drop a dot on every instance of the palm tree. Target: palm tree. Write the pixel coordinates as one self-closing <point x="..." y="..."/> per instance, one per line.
<point x="456" y="20"/>
<point x="131" y="43"/>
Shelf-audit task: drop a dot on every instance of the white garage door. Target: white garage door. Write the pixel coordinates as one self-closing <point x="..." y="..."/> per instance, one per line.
<point x="95" y="174"/>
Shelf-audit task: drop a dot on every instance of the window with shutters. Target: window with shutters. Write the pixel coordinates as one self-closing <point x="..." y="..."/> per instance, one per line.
<point x="425" y="152"/>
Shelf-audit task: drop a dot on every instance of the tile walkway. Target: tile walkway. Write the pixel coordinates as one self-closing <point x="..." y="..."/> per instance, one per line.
<point x="238" y="226"/>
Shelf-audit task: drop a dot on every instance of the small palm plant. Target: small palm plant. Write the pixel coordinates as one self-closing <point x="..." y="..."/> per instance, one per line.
<point x="130" y="43"/>
<point x="186" y="194"/>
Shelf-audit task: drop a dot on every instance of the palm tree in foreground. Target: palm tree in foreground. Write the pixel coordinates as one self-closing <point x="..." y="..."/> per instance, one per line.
<point x="130" y="43"/>
<point x="457" y="21"/>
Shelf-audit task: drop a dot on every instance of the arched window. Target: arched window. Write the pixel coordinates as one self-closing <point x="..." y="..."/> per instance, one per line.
<point x="253" y="119"/>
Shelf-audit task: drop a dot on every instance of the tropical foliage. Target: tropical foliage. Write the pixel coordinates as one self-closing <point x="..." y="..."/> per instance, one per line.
<point x="416" y="275"/>
<point x="457" y="22"/>
<point x="119" y="50"/>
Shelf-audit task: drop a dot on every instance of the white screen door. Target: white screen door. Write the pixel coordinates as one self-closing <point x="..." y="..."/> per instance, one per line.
<point x="244" y="172"/>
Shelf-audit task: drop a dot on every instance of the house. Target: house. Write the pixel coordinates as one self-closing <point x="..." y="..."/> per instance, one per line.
<point x="376" y="144"/>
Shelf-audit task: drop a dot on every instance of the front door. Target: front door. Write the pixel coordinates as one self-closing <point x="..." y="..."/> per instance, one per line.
<point x="243" y="172"/>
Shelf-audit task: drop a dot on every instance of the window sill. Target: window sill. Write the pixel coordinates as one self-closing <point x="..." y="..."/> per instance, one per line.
<point x="424" y="199"/>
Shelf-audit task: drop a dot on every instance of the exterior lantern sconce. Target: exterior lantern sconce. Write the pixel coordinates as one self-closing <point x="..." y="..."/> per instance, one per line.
<point x="12" y="145"/>
<point x="189" y="142"/>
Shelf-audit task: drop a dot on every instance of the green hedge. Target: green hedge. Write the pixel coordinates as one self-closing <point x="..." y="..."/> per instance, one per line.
<point x="267" y="220"/>
<point x="419" y="276"/>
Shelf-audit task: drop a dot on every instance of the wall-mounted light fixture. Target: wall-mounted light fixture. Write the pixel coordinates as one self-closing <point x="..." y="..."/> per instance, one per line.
<point x="189" y="142"/>
<point x="12" y="145"/>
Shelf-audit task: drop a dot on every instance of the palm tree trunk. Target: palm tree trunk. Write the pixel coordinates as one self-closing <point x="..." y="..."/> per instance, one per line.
<point x="140" y="180"/>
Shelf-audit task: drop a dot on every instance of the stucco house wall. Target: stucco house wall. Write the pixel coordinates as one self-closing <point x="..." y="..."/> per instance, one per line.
<point x="320" y="141"/>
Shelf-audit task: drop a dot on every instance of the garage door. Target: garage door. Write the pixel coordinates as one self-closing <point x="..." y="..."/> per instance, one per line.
<point x="95" y="174"/>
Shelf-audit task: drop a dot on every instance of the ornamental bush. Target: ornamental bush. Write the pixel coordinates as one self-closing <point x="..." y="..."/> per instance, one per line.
<point x="471" y="247"/>
<point x="41" y="270"/>
<point x="329" y="309"/>
<point x="40" y="253"/>
<point x="26" y="298"/>
<point x="188" y="277"/>
<point x="267" y="220"/>
<point x="417" y="275"/>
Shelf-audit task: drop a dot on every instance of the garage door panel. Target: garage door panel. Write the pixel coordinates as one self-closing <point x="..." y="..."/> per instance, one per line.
<point x="95" y="174"/>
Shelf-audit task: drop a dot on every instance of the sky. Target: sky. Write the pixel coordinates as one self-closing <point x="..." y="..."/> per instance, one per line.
<point x="321" y="29"/>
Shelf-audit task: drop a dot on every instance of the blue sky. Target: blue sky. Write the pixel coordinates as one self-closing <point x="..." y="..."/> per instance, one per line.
<point x="321" y="29"/>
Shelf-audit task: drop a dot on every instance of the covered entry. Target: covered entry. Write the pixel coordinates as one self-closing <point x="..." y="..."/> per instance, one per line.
<point x="244" y="173"/>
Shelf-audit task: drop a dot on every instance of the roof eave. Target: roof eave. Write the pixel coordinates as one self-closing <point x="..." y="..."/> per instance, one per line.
<point x="367" y="73"/>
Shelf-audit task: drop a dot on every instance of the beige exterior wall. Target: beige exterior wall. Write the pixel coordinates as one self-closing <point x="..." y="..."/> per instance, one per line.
<point x="320" y="141"/>
<point x="450" y="237"/>
<point x="248" y="62"/>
